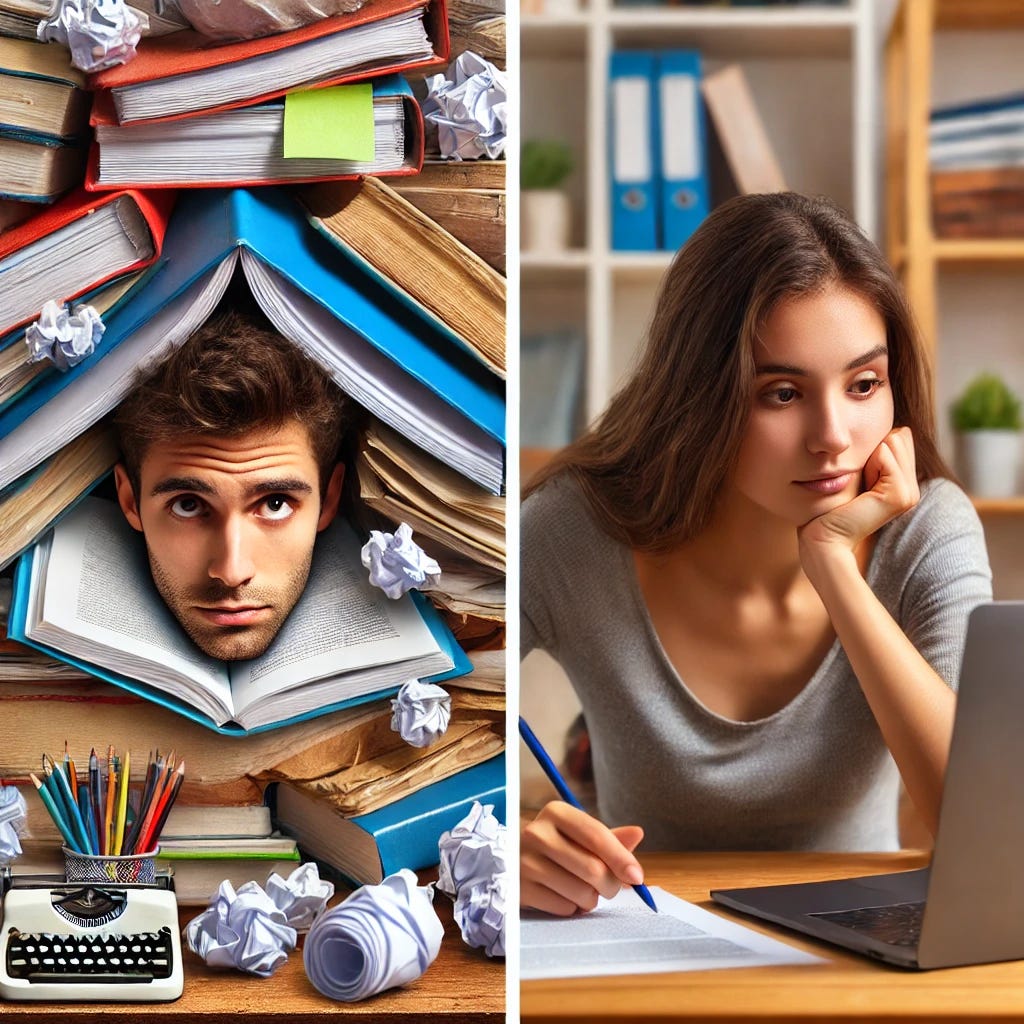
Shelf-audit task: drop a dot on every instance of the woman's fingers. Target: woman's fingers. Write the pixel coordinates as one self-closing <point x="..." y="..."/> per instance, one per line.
<point x="566" y="855"/>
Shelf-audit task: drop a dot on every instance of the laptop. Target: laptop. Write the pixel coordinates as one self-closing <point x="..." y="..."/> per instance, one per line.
<point x="968" y="906"/>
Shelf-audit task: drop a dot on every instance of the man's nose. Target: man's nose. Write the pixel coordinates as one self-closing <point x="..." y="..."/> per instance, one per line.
<point x="828" y="431"/>
<point x="231" y="560"/>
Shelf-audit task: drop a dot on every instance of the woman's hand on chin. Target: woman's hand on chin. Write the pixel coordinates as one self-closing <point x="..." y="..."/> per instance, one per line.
<point x="890" y="489"/>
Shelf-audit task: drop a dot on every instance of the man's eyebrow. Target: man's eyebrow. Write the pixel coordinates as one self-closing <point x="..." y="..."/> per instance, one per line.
<point x="294" y="484"/>
<point x="172" y="484"/>
<point x="794" y="371"/>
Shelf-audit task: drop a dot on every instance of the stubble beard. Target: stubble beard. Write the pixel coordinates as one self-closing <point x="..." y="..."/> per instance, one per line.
<point x="229" y="643"/>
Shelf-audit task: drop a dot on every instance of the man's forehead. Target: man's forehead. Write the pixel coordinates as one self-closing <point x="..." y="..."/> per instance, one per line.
<point x="284" y="453"/>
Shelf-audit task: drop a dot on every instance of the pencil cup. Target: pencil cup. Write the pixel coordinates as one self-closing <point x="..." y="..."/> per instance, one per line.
<point x="139" y="867"/>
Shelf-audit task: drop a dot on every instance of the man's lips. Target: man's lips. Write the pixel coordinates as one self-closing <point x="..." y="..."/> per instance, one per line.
<point x="234" y="615"/>
<point x="831" y="483"/>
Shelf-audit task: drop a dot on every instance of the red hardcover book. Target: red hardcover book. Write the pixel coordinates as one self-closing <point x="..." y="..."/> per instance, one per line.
<point x="181" y="74"/>
<point x="78" y="243"/>
<point x="184" y="153"/>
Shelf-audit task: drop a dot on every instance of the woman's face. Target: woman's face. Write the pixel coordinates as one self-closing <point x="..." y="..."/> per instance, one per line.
<point x="821" y="404"/>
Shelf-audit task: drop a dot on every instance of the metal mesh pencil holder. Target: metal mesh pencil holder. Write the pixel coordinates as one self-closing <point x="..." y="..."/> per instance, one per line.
<point x="82" y="867"/>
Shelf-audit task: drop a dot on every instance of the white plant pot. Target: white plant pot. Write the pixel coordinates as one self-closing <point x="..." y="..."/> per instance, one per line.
<point x="990" y="462"/>
<point x="545" y="223"/>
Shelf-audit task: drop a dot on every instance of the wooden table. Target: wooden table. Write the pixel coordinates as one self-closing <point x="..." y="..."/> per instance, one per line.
<point x="462" y="985"/>
<point x="847" y="989"/>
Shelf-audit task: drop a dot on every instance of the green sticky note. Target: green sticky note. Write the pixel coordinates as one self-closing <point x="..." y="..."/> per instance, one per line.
<point x="333" y="123"/>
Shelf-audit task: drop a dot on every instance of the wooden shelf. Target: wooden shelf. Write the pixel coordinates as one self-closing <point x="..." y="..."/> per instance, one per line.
<point x="979" y="250"/>
<point x="983" y="15"/>
<point x="1000" y="506"/>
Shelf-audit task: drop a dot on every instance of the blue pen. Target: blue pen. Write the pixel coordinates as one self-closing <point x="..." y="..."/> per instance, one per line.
<point x="565" y="793"/>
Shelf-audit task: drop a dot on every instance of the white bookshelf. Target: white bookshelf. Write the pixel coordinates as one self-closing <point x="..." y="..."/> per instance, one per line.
<point x="818" y="62"/>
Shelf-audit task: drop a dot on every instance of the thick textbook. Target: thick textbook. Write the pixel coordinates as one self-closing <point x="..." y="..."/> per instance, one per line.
<point x="36" y="170"/>
<point x="374" y="225"/>
<point x="180" y="74"/>
<point x="391" y="360"/>
<point x="403" y="834"/>
<point x="85" y="593"/>
<point x="41" y="93"/>
<point x="79" y="243"/>
<point x="245" y="145"/>
<point x="741" y="131"/>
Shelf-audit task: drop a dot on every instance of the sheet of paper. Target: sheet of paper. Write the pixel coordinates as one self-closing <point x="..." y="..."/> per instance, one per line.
<point x="622" y="936"/>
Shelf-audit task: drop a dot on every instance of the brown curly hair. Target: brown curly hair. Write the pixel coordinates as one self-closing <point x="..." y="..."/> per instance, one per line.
<point x="232" y="375"/>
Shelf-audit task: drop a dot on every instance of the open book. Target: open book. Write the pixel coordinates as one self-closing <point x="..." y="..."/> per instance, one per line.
<point x="85" y="593"/>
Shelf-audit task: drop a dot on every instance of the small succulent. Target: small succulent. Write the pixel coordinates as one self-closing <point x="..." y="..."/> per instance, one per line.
<point x="987" y="404"/>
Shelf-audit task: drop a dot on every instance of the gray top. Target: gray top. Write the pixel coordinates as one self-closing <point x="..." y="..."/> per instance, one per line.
<point x="815" y="775"/>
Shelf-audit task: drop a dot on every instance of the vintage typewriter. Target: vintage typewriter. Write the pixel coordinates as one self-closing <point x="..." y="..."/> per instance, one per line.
<point x="79" y="941"/>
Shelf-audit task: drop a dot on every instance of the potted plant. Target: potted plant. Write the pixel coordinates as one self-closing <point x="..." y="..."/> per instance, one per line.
<point x="987" y="420"/>
<point x="544" y="166"/>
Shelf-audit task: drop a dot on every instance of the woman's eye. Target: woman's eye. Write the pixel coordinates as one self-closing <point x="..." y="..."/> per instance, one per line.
<point x="187" y="507"/>
<point x="867" y="386"/>
<point x="277" y="507"/>
<point x="782" y="396"/>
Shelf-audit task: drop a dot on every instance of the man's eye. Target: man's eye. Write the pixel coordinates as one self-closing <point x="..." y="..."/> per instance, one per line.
<point x="187" y="507"/>
<point x="277" y="507"/>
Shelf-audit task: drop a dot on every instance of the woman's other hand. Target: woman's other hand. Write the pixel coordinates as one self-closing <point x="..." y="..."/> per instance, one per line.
<point x="890" y="489"/>
<point x="567" y="859"/>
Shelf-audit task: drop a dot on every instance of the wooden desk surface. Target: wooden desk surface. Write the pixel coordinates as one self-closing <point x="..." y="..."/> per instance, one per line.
<point x="847" y="989"/>
<point x="462" y="986"/>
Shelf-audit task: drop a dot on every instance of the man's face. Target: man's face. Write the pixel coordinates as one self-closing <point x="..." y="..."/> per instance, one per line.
<point x="229" y="525"/>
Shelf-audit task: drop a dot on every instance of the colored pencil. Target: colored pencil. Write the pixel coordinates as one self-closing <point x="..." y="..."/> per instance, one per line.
<point x="108" y="835"/>
<point x="150" y="838"/>
<point x="96" y="798"/>
<point x="58" y="782"/>
<point x="51" y="808"/>
<point x="122" y="802"/>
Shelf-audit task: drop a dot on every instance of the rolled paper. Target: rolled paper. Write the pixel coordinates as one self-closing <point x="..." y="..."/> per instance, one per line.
<point x="302" y="896"/>
<point x="420" y="712"/>
<point x="397" y="563"/>
<point x="480" y="914"/>
<point x="242" y="929"/>
<point x="13" y="819"/>
<point x="469" y="106"/>
<point x="99" y="33"/>
<point x="473" y="852"/>
<point x="62" y="337"/>
<point x="380" y="937"/>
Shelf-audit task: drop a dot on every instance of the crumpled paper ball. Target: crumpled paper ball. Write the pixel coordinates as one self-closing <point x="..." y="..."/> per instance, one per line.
<point x="99" y="33"/>
<point x="469" y="106"/>
<point x="62" y="337"/>
<point x="243" y="930"/>
<point x="302" y="896"/>
<point x="397" y="563"/>
<point x="473" y="852"/>
<point x="480" y="914"/>
<point x="420" y="712"/>
<point x="13" y="818"/>
<point x="380" y="937"/>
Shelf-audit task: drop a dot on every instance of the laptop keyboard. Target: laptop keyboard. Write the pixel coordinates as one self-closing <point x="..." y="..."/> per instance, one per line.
<point x="898" y="924"/>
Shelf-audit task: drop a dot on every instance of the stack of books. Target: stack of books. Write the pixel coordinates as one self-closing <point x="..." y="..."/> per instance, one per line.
<point x="976" y="151"/>
<point x="179" y="189"/>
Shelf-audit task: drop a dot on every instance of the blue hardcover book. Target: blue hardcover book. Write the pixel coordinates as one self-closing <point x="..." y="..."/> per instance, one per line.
<point x="107" y="619"/>
<point x="633" y="151"/>
<point x="403" y="834"/>
<point x="683" y="164"/>
<point x="395" y="364"/>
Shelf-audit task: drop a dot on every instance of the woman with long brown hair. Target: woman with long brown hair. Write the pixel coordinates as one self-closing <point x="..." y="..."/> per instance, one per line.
<point x="755" y="568"/>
